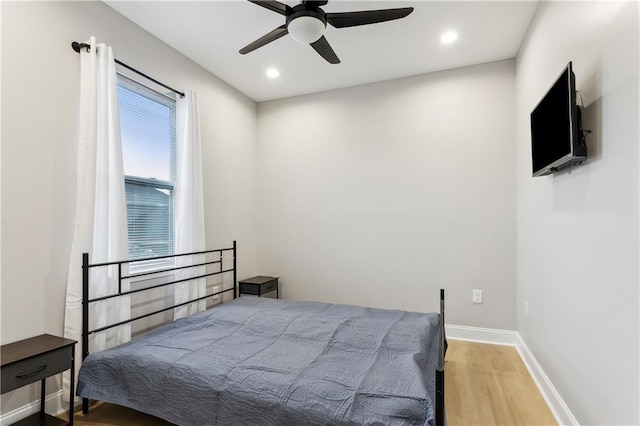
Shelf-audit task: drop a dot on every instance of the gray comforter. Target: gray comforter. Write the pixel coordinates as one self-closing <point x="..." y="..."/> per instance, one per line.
<point x="260" y="361"/>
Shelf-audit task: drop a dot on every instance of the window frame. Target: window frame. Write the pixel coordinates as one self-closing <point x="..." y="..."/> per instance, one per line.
<point x="168" y="99"/>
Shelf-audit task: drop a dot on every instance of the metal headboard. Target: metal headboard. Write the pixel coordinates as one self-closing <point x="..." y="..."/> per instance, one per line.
<point x="86" y="301"/>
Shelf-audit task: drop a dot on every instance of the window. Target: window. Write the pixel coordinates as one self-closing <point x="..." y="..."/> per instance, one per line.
<point x="148" y="126"/>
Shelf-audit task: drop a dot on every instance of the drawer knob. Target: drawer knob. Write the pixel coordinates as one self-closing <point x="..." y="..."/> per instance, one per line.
<point x="31" y="373"/>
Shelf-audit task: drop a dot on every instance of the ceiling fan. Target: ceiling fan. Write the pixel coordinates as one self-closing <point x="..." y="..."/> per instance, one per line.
<point x="306" y="23"/>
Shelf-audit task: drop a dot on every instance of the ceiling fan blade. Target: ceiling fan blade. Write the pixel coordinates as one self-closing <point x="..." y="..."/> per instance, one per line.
<point x="324" y="49"/>
<point x="365" y="17"/>
<point x="281" y="31"/>
<point x="316" y="3"/>
<point x="273" y="5"/>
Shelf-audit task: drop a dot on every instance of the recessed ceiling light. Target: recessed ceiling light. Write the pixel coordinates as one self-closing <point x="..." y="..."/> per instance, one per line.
<point x="449" y="37"/>
<point x="272" y="73"/>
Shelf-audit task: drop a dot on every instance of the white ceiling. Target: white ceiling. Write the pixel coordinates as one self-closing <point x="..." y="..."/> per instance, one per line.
<point x="211" y="32"/>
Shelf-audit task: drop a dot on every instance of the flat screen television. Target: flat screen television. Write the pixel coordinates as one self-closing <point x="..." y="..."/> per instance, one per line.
<point x="557" y="140"/>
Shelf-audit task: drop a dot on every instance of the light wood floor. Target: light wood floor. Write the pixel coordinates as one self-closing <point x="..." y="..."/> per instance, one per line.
<point x="489" y="385"/>
<point x="484" y="385"/>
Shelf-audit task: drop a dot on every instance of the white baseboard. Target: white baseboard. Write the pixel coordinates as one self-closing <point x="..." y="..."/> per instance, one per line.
<point x="551" y="396"/>
<point x="53" y="404"/>
<point x="556" y="404"/>
<point x="481" y="335"/>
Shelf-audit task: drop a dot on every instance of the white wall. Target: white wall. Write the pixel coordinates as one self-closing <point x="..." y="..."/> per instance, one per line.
<point x="577" y="256"/>
<point x="382" y="194"/>
<point x="40" y="96"/>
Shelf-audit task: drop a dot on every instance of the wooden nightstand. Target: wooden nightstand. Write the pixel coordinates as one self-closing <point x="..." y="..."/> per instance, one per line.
<point x="37" y="358"/>
<point x="259" y="285"/>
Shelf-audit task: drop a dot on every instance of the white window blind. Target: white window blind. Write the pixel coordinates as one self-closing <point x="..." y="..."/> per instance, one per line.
<point x="148" y="123"/>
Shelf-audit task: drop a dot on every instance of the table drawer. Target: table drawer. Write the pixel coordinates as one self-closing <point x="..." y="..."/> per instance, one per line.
<point x="36" y="368"/>
<point x="269" y="287"/>
<point x="258" y="288"/>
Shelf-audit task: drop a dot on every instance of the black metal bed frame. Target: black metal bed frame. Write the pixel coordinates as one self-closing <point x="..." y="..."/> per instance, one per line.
<point x="86" y="266"/>
<point x="86" y="332"/>
<point x="441" y="413"/>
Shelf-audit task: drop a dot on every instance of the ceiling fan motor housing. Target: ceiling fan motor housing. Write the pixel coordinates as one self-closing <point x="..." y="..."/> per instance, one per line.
<point x="306" y="24"/>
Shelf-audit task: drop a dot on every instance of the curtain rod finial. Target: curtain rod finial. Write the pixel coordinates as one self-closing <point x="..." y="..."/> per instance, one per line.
<point x="77" y="46"/>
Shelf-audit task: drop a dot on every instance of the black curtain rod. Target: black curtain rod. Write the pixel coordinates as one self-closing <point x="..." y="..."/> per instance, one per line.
<point x="77" y="46"/>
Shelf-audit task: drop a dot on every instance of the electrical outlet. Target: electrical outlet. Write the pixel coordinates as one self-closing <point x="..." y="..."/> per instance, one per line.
<point x="477" y="296"/>
<point x="526" y="309"/>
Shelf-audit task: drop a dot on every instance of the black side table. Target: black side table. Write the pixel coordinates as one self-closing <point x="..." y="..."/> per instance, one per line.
<point x="37" y="358"/>
<point x="259" y="285"/>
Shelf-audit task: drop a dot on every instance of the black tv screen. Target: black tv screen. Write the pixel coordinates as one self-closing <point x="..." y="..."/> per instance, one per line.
<point x="556" y="135"/>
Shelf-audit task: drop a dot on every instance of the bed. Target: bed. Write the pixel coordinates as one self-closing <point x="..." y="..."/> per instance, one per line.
<point x="263" y="361"/>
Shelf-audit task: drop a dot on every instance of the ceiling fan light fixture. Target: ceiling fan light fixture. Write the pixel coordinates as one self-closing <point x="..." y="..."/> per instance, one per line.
<point x="306" y="29"/>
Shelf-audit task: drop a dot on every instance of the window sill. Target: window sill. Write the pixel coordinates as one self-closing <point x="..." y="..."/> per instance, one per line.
<point x="141" y="271"/>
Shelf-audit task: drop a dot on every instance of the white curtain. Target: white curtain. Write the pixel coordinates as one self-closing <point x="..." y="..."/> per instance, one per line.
<point x="189" y="206"/>
<point x="101" y="215"/>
